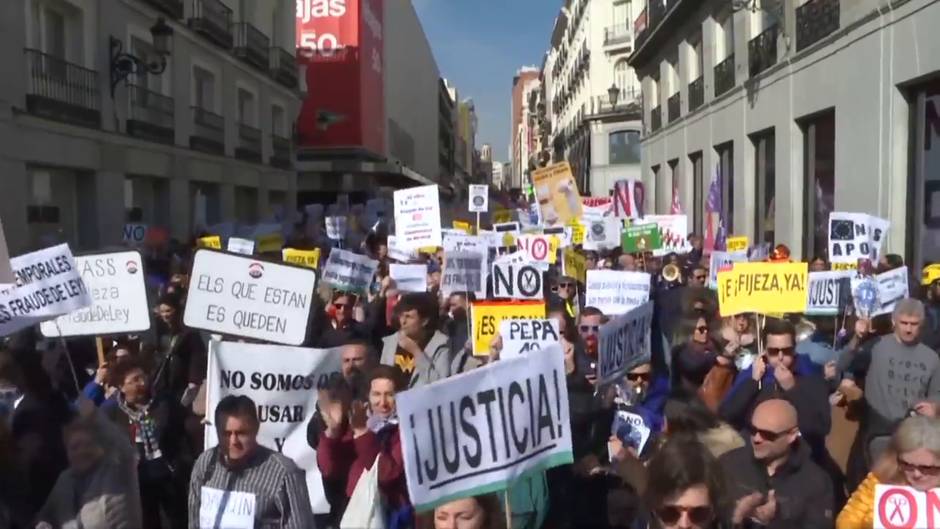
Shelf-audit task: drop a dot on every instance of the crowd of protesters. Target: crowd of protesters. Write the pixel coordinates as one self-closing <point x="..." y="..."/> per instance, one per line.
<point x="754" y="421"/>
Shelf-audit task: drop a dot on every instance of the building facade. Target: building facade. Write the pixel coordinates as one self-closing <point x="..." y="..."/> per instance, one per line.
<point x="205" y="141"/>
<point x="522" y="83"/>
<point x="802" y="108"/>
<point x="447" y="134"/>
<point x="591" y="93"/>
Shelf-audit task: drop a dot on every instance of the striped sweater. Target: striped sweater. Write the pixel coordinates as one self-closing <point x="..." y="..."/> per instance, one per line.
<point x="279" y="487"/>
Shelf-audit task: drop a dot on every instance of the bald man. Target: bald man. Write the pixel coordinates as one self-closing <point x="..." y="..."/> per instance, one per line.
<point x="774" y="478"/>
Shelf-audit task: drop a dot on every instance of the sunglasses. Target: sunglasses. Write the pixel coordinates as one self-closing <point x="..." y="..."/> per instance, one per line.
<point x="565" y="285"/>
<point x="589" y="328"/>
<point x="767" y="435"/>
<point x="340" y="305"/>
<point x="775" y="351"/>
<point x="927" y="470"/>
<point x="634" y="377"/>
<point x="702" y="329"/>
<point x="699" y="515"/>
<point x="698" y="278"/>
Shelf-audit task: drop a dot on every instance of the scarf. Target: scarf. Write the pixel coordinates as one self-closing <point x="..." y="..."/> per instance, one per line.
<point x="376" y="423"/>
<point x="143" y="427"/>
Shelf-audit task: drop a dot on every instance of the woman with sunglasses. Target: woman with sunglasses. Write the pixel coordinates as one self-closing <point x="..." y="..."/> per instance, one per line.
<point x="696" y="352"/>
<point x="913" y="460"/>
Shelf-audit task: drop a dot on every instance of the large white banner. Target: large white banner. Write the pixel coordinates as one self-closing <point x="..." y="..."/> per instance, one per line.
<point x="616" y="292"/>
<point x="624" y="343"/>
<point x="118" y="293"/>
<point x="349" y="272"/>
<point x="241" y="296"/>
<point x="473" y="433"/>
<point x="853" y="236"/>
<point x="48" y="285"/>
<point x="417" y="217"/>
<point x="283" y="383"/>
<point x="673" y="231"/>
<point x="825" y="292"/>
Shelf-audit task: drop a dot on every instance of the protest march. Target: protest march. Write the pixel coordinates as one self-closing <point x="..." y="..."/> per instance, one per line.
<point x="559" y="365"/>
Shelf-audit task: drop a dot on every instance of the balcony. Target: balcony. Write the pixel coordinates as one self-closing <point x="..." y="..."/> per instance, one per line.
<point x="173" y="8"/>
<point x="151" y="115"/>
<point x="248" y="147"/>
<point x="724" y="75"/>
<point x="656" y="119"/>
<point x="213" y="20"/>
<point x="814" y="21"/>
<point x="673" y="107"/>
<point x="627" y="102"/>
<point x="618" y="34"/>
<point x="280" y="156"/>
<point x="59" y="90"/>
<point x="251" y="45"/>
<point x="208" y="132"/>
<point x="284" y="67"/>
<point x="762" y="51"/>
<point x="697" y="93"/>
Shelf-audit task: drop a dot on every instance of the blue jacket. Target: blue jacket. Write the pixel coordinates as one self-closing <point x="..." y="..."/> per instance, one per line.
<point x="651" y="409"/>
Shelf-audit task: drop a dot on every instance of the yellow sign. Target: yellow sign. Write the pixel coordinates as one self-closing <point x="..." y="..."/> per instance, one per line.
<point x="557" y="193"/>
<point x="464" y="226"/>
<point x="270" y="243"/>
<point x="575" y="265"/>
<point x="308" y="258"/>
<point x="486" y="316"/>
<point x="577" y="232"/>
<point x="763" y="287"/>
<point x="502" y="215"/>
<point x="211" y="241"/>
<point x="736" y="244"/>
<point x="844" y="266"/>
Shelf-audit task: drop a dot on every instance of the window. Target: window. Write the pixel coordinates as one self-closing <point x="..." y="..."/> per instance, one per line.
<point x="924" y="218"/>
<point x="819" y="141"/>
<point x="624" y="147"/>
<point x="657" y="183"/>
<point x="672" y="188"/>
<point x="654" y="91"/>
<point x="726" y="179"/>
<point x="204" y="88"/>
<point x="695" y="66"/>
<point x="278" y="127"/>
<point x="246" y="107"/>
<point x="698" y="195"/>
<point x="724" y="37"/>
<point x="673" y="71"/>
<point x="144" y="50"/>
<point x="765" y="176"/>
<point x="622" y="12"/>
<point x="623" y="77"/>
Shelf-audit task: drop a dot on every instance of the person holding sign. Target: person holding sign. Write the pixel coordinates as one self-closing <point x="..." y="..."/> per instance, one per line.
<point x="240" y="484"/>
<point x="418" y="350"/>
<point x="912" y="461"/>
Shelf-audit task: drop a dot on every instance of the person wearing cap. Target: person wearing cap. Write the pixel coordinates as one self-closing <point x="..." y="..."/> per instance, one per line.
<point x="930" y="282"/>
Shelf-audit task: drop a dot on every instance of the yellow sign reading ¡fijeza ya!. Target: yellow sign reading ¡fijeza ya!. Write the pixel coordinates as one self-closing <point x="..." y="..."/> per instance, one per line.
<point x="763" y="288"/>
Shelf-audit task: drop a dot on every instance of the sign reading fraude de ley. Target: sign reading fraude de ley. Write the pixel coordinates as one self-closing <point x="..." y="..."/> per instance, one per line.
<point x="487" y="315"/>
<point x="624" y="343"/>
<point x="476" y="432"/>
<point x="241" y="296"/>
<point x="48" y="284"/>
<point x="897" y="507"/>
<point x="763" y="287"/>
<point x="118" y="294"/>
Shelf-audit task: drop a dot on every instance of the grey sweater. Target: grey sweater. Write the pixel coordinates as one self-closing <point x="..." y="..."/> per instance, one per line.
<point x="899" y="377"/>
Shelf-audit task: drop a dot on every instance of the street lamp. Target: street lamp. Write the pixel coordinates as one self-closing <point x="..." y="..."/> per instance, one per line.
<point x="614" y="94"/>
<point x="124" y="64"/>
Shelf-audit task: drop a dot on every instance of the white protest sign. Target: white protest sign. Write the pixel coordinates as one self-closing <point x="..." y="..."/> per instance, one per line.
<point x="853" y="236"/>
<point x="283" y="383"/>
<point x="349" y="272"/>
<point x="226" y="508"/>
<point x="501" y="229"/>
<point x="418" y="217"/>
<point x="479" y="198"/>
<point x="596" y="208"/>
<point x="487" y="445"/>
<point x="409" y="277"/>
<point x="720" y="260"/>
<point x="336" y="228"/>
<point x="825" y="292"/>
<point x="134" y="234"/>
<point x="398" y="253"/>
<point x="624" y="343"/>
<point x="563" y="233"/>
<point x="673" y="232"/>
<point x="49" y="284"/>
<point x="517" y="281"/>
<point x="522" y="336"/>
<point x="616" y="292"/>
<point x="897" y="507"/>
<point x="639" y="431"/>
<point x="759" y="252"/>
<point x="463" y="272"/>
<point x="892" y="287"/>
<point x="541" y="248"/>
<point x="602" y="234"/>
<point x="456" y="241"/>
<point x="517" y="257"/>
<point x="241" y="246"/>
<point x="118" y="293"/>
<point x="241" y="296"/>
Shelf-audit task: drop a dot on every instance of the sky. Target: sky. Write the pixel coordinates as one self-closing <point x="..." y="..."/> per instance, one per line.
<point x="479" y="45"/>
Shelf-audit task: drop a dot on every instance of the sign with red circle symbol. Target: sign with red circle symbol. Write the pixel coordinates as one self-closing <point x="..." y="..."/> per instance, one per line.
<point x="539" y="249"/>
<point x="906" y="507"/>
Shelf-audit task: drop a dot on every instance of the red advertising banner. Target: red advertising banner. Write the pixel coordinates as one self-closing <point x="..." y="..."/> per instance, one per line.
<point x="341" y="42"/>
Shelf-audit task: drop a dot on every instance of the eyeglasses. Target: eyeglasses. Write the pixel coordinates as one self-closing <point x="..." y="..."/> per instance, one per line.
<point x="565" y="285"/>
<point x="698" y="515"/>
<point x="589" y="328"/>
<point x="698" y="277"/>
<point x="767" y="435"/>
<point x="634" y="377"/>
<point x="702" y="329"/>
<point x="775" y="351"/>
<point x="340" y="305"/>
<point x="927" y="470"/>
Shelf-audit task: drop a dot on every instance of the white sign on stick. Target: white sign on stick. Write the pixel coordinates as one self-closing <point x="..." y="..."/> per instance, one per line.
<point x="283" y="383"/>
<point x="489" y="445"/>
<point x="616" y="292"/>
<point x="49" y="284"/>
<point x="463" y="272"/>
<point x="721" y="260"/>
<point x="624" y="343"/>
<point x="479" y="198"/>
<point x="541" y="248"/>
<point x="349" y="272"/>
<point x="336" y="227"/>
<point x="118" y="293"/>
<point x="602" y="234"/>
<point x="398" y="253"/>
<point x="240" y="246"/>
<point x="523" y="336"/>
<point x="853" y="236"/>
<point x="409" y="277"/>
<point x="825" y="292"/>
<point x="134" y="234"/>
<point x="418" y="217"/>
<point x="892" y="287"/>
<point x="673" y="232"/>
<point x="517" y="281"/>
<point x="241" y="296"/>
<point x="456" y="241"/>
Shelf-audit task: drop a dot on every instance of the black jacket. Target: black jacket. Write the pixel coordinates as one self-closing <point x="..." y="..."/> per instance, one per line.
<point x="803" y="490"/>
